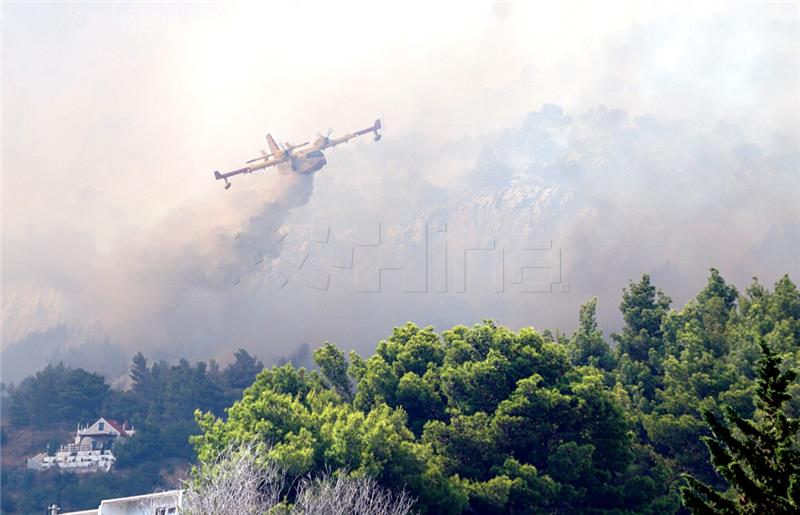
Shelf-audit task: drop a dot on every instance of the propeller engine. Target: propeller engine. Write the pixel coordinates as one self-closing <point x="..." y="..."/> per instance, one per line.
<point x="289" y="147"/>
<point x="323" y="140"/>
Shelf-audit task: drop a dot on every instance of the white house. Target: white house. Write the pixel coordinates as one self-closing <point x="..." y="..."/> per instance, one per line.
<point x="160" y="503"/>
<point x="90" y="451"/>
<point x="102" y="434"/>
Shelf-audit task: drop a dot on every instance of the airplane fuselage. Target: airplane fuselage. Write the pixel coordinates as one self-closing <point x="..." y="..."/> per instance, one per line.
<point x="308" y="163"/>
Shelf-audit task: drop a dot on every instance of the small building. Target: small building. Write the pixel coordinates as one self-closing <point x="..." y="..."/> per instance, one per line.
<point x="102" y="434"/>
<point x="159" y="503"/>
<point x="89" y="452"/>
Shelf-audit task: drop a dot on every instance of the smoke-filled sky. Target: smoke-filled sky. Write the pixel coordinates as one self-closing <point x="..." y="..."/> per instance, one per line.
<point x="533" y="156"/>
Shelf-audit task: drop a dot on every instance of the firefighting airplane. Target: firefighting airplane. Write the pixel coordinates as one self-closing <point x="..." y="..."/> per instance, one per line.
<point x="287" y="158"/>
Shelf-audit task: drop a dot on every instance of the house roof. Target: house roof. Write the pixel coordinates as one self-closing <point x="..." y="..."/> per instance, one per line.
<point x="117" y="426"/>
<point x="107" y="431"/>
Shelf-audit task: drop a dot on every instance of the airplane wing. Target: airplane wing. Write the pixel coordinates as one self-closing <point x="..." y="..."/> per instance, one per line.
<point x="332" y="142"/>
<point x="263" y="157"/>
<point x="249" y="169"/>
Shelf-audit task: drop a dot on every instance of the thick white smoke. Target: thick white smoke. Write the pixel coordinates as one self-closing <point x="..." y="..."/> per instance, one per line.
<point x="114" y="241"/>
<point x="158" y="286"/>
<point x="615" y="196"/>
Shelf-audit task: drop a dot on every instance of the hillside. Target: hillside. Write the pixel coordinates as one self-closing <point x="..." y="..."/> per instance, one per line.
<point x="21" y="443"/>
<point x="45" y="408"/>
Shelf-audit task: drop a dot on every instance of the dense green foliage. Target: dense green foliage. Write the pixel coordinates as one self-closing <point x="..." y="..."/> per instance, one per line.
<point x="487" y="420"/>
<point x="706" y="356"/>
<point x="160" y="402"/>
<point x="759" y="459"/>
<point x="56" y="394"/>
<point x="475" y="419"/>
<point x="480" y="417"/>
<point x="161" y="393"/>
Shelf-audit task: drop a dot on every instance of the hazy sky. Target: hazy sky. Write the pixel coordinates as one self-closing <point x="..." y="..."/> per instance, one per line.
<point x="637" y="138"/>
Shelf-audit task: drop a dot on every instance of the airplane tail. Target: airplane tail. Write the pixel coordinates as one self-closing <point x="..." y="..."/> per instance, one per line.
<point x="375" y="127"/>
<point x="273" y="147"/>
<point x="219" y="176"/>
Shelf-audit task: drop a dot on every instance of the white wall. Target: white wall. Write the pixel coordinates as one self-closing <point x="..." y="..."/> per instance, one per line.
<point x="143" y="504"/>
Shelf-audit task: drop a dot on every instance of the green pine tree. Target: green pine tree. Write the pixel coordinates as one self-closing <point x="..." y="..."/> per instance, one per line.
<point x="643" y="308"/>
<point x="759" y="459"/>
<point x="587" y="346"/>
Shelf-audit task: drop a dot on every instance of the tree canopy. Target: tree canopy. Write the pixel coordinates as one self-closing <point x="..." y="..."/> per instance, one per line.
<point x="484" y="419"/>
<point x="759" y="459"/>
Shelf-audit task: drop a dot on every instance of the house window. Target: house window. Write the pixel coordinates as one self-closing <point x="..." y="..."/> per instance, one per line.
<point x="161" y="511"/>
<point x="172" y="510"/>
<point x="101" y="426"/>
